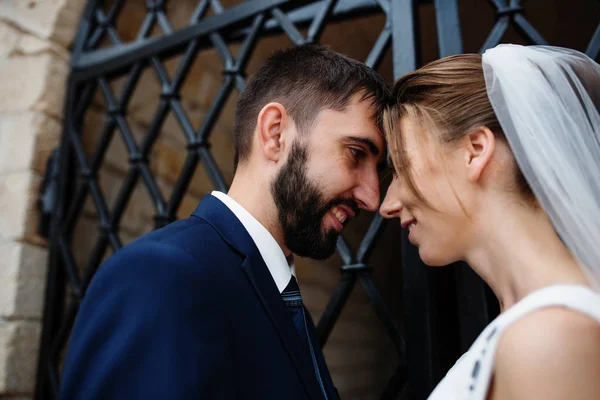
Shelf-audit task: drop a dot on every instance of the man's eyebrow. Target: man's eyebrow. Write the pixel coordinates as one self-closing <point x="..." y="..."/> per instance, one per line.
<point x="368" y="142"/>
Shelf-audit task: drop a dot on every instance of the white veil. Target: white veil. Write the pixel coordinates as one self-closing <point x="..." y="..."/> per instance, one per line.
<point x="547" y="100"/>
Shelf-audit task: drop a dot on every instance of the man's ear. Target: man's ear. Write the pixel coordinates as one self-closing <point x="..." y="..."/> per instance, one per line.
<point x="271" y="124"/>
<point x="480" y="145"/>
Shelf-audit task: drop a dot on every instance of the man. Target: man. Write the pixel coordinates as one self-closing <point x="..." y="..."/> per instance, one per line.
<point x="207" y="307"/>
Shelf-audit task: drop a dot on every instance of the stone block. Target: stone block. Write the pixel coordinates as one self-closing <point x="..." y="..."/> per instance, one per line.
<point x="19" y="343"/>
<point x="19" y="219"/>
<point x="35" y="82"/>
<point x="29" y="45"/>
<point x="52" y="98"/>
<point x="9" y="38"/>
<point x="23" y="277"/>
<point x="14" y="43"/>
<point x="26" y="141"/>
<point x="56" y="20"/>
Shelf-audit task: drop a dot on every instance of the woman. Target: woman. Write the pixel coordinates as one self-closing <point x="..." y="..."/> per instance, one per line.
<point x="498" y="164"/>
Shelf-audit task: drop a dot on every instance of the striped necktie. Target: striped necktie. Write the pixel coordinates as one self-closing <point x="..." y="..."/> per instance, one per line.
<point x="293" y="301"/>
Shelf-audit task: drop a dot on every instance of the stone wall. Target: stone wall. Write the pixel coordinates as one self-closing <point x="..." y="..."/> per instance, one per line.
<point x="34" y="64"/>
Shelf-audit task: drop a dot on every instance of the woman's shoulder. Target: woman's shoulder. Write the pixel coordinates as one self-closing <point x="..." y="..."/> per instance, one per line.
<point x="543" y="329"/>
<point x="547" y="352"/>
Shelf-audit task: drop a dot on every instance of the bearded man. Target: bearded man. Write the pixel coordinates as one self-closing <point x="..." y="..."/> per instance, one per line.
<point x="208" y="307"/>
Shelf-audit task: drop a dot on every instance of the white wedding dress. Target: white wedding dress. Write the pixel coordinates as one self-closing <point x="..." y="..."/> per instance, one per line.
<point x="471" y="376"/>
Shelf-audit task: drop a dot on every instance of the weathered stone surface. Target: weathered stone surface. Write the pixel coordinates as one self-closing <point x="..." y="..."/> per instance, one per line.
<point x="19" y="193"/>
<point x="56" y="20"/>
<point x="23" y="90"/>
<point x="17" y="142"/>
<point x="26" y="141"/>
<point x="19" y="342"/>
<point x="37" y="83"/>
<point x="9" y="38"/>
<point x="29" y="45"/>
<point x="14" y="42"/>
<point x="23" y="277"/>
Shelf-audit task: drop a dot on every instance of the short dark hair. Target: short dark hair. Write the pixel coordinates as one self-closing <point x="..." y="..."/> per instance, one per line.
<point x="305" y="80"/>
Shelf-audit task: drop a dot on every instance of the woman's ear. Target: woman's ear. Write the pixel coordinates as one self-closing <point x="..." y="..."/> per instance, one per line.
<point x="480" y="145"/>
<point x="270" y="125"/>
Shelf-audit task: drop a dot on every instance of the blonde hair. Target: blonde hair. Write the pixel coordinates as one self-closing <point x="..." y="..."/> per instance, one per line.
<point x="449" y="97"/>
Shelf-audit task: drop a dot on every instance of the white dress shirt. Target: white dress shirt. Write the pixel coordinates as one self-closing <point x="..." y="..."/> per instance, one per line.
<point x="269" y="249"/>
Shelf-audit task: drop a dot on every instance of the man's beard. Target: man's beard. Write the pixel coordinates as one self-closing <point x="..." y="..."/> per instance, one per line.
<point x="302" y="207"/>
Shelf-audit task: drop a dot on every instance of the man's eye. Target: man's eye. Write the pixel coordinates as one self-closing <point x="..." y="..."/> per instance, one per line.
<point x="357" y="154"/>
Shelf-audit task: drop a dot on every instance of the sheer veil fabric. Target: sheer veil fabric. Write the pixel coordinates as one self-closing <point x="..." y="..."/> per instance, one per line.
<point x="547" y="100"/>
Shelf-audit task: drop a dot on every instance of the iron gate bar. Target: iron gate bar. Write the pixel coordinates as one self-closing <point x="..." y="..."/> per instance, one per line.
<point x="511" y="14"/>
<point x="380" y="46"/>
<point x="448" y="27"/>
<point x="593" y="49"/>
<point x="111" y="60"/>
<point x="344" y="10"/>
<point x="46" y="378"/>
<point x="404" y="35"/>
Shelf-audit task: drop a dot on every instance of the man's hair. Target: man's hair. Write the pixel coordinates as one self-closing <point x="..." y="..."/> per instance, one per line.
<point x="305" y="80"/>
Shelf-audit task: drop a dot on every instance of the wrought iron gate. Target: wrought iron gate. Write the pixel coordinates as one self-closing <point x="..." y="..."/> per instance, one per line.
<point x="436" y="330"/>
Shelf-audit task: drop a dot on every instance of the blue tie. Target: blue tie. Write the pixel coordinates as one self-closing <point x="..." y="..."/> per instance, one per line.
<point x="293" y="300"/>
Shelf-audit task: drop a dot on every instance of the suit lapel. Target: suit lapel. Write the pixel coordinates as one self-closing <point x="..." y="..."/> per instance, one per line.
<point x="213" y="211"/>
<point x="267" y="292"/>
<point x="325" y="375"/>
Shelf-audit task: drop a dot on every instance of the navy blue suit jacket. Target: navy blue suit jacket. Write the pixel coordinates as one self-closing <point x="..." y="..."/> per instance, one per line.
<point x="189" y="311"/>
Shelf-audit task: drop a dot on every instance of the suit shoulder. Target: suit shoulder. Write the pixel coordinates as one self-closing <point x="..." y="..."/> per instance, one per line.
<point x="150" y="266"/>
<point x="193" y="236"/>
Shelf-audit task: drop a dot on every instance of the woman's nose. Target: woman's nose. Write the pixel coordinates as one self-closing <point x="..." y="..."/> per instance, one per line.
<point x="391" y="206"/>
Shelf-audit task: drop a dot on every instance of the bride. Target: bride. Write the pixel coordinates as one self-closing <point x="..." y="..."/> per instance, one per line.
<point x="498" y="164"/>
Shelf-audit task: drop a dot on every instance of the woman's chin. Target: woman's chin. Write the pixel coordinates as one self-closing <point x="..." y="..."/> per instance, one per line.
<point x="432" y="259"/>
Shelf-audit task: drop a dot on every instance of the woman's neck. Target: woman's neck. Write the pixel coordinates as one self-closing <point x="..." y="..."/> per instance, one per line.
<point x="516" y="251"/>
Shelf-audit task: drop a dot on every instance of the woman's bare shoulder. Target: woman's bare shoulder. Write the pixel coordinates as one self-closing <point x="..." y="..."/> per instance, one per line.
<point x="552" y="353"/>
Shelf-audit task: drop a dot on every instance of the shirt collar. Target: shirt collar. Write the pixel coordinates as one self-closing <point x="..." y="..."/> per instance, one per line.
<point x="280" y="268"/>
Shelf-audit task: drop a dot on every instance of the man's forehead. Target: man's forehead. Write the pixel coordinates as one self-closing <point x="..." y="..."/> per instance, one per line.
<point x="353" y="122"/>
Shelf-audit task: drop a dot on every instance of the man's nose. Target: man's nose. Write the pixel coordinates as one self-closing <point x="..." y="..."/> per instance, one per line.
<point x="367" y="193"/>
<point x="391" y="206"/>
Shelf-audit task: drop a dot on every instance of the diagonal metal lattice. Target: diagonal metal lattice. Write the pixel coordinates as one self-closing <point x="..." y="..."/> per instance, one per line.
<point x="100" y="56"/>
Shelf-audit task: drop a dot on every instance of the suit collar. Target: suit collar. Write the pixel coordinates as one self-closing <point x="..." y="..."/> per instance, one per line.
<point x="214" y="212"/>
<point x="229" y="227"/>
<point x="269" y="249"/>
